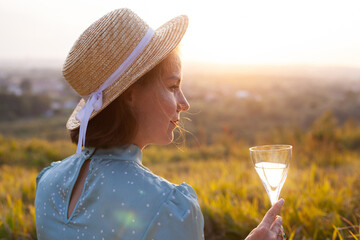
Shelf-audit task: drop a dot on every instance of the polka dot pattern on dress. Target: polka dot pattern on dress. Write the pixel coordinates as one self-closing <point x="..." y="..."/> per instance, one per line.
<point x="116" y="188"/>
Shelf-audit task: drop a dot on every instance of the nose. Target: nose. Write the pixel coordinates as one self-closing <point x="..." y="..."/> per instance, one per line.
<point x="183" y="104"/>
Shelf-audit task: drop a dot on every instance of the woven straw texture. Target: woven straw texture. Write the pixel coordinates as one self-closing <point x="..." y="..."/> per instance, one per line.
<point x="102" y="48"/>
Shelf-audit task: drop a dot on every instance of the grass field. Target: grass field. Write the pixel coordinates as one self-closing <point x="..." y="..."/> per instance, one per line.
<point x="314" y="109"/>
<point x="322" y="200"/>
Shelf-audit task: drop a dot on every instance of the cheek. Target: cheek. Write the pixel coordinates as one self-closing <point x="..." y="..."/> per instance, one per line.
<point x="155" y="110"/>
<point x="167" y="103"/>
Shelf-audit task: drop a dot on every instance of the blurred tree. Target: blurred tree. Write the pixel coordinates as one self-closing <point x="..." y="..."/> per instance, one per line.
<point x="350" y="96"/>
<point x="350" y="135"/>
<point x="14" y="107"/>
<point x="323" y="129"/>
<point x="26" y="86"/>
<point x="324" y="144"/>
<point x="3" y="88"/>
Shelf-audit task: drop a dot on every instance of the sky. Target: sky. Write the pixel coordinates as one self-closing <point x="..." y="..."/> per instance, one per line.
<point x="312" y="32"/>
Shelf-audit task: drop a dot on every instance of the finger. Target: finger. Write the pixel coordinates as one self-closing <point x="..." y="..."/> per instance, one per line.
<point x="282" y="230"/>
<point x="271" y="214"/>
<point x="276" y="225"/>
<point x="283" y="235"/>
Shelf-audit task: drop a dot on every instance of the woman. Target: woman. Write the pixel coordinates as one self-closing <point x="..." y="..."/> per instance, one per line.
<point x="130" y="78"/>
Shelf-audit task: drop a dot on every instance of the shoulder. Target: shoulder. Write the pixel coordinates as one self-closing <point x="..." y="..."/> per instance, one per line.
<point x="54" y="167"/>
<point x="159" y="206"/>
<point x="183" y="202"/>
<point x="179" y="217"/>
<point x="45" y="171"/>
<point x="159" y="186"/>
<point x="134" y="176"/>
<point x="139" y="178"/>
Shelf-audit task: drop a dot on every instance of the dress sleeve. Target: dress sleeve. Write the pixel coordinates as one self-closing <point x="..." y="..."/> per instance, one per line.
<point x="45" y="170"/>
<point x="179" y="217"/>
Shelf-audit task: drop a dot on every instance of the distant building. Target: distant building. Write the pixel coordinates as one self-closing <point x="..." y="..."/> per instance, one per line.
<point x="70" y="104"/>
<point x="15" y="89"/>
<point x="53" y="86"/>
<point x="210" y="97"/>
<point x="242" y="94"/>
<point x="3" y="75"/>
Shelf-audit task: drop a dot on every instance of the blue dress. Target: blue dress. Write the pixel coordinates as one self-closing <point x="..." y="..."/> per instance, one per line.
<point x="121" y="199"/>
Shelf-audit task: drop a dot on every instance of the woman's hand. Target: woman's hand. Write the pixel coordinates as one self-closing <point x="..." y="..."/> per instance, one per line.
<point x="270" y="227"/>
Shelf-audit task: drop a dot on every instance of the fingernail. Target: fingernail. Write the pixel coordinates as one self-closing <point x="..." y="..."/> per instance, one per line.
<point x="282" y="201"/>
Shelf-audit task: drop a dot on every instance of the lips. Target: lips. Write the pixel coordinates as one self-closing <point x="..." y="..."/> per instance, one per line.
<point x="175" y="122"/>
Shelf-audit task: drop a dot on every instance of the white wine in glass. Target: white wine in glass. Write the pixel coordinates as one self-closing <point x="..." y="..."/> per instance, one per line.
<point x="272" y="164"/>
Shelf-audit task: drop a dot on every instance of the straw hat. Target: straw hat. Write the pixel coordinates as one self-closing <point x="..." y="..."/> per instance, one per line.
<point x="106" y="44"/>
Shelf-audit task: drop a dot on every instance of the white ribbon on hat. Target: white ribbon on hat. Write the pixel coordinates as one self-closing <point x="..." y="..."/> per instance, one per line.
<point x="94" y="100"/>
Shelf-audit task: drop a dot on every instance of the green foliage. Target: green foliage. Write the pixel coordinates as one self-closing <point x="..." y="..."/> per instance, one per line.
<point x="321" y="193"/>
<point x="44" y="128"/>
<point x="17" y="212"/>
<point x="33" y="152"/>
<point x="233" y="200"/>
<point x="27" y="105"/>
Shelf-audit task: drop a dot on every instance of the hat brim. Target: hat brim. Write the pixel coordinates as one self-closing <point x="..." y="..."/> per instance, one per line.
<point x="164" y="41"/>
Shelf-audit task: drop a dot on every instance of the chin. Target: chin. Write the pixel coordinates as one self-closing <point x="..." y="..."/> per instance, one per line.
<point x="167" y="139"/>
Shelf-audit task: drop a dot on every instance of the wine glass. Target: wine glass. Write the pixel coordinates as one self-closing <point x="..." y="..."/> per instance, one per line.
<point x="272" y="164"/>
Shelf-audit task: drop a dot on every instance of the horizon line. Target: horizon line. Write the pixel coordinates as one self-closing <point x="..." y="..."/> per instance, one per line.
<point x="37" y="62"/>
